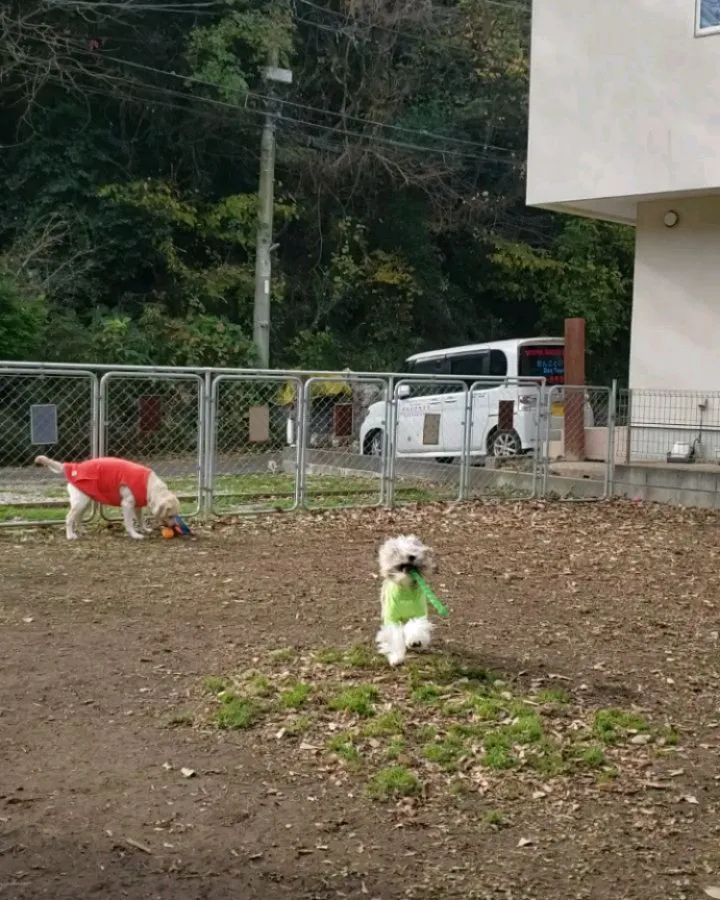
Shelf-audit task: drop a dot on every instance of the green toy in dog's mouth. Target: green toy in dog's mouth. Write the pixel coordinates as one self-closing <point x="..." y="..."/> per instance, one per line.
<point x="429" y="594"/>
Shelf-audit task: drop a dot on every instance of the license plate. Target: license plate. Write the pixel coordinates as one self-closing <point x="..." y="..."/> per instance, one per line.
<point x="558" y="409"/>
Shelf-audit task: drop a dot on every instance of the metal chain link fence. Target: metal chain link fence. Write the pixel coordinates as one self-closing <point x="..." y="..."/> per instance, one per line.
<point x="341" y="436"/>
<point x="245" y="441"/>
<point x="53" y="413"/>
<point x="254" y="455"/>
<point x="578" y="452"/>
<point x="503" y="442"/>
<point x="157" y="420"/>
<point x="661" y="426"/>
<point x="427" y="440"/>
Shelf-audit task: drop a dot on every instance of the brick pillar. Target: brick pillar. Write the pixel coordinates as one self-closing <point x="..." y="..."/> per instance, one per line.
<point x="574" y="430"/>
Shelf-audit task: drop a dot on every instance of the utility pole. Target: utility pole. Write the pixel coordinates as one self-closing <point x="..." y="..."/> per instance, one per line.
<point x="266" y="202"/>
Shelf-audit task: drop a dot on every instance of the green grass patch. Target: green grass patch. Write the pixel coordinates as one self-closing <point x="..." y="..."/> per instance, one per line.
<point x="260" y="686"/>
<point x="592" y="757"/>
<point x="359" y="700"/>
<point x="393" y="782"/>
<point x="390" y="722"/>
<point x="436" y="722"/>
<point x="363" y="657"/>
<point x="552" y="695"/>
<point x="494" y="819"/>
<point x="296" y="696"/>
<point x="612" y="726"/>
<point x="236" y="713"/>
<point x="298" y="726"/>
<point x="426" y="693"/>
<point x="395" y="748"/>
<point x="214" y="684"/>
<point x="344" y="747"/>
<point x="329" y="656"/>
<point x="445" y="753"/>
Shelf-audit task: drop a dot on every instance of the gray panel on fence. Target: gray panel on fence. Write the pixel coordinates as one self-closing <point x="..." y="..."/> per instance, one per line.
<point x="43" y="423"/>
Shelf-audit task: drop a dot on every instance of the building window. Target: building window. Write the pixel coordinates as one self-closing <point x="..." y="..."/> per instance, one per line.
<point x="707" y="17"/>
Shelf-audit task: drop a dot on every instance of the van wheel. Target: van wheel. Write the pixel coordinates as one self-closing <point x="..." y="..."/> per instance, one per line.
<point x="374" y="444"/>
<point x="502" y="444"/>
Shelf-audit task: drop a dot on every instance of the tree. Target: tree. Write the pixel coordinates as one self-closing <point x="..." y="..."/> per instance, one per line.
<point x="131" y="166"/>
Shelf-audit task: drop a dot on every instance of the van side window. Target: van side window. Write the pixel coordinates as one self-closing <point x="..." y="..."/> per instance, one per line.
<point x="469" y="365"/>
<point x="498" y="363"/>
<point x="431" y="367"/>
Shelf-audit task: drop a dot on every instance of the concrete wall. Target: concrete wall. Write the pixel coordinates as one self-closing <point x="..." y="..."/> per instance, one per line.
<point x="624" y="102"/>
<point x="675" y="342"/>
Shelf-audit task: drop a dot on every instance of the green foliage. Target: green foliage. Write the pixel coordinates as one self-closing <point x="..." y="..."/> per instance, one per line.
<point x="22" y="317"/>
<point x="128" y="209"/>
<point x="229" y="54"/>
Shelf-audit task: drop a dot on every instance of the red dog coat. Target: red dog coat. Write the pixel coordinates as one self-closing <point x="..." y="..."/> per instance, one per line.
<point x="101" y="478"/>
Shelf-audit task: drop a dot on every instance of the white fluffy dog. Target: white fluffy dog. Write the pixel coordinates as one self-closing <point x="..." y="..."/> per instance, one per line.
<point x="114" y="482"/>
<point x="404" y="609"/>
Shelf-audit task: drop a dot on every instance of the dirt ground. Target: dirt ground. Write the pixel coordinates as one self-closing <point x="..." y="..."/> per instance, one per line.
<point x="106" y="645"/>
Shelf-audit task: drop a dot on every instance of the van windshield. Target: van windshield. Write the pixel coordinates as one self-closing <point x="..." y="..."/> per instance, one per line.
<point x="542" y="361"/>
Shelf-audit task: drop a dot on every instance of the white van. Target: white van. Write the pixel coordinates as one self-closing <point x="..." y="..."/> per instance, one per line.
<point x="531" y="358"/>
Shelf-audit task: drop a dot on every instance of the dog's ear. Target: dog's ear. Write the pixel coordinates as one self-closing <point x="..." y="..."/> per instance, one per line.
<point x="169" y="507"/>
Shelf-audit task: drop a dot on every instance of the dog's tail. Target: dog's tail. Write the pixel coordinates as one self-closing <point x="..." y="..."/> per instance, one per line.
<point x="51" y="464"/>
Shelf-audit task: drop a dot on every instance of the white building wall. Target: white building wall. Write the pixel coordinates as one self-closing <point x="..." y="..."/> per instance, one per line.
<point x="624" y="103"/>
<point x="675" y="337"/>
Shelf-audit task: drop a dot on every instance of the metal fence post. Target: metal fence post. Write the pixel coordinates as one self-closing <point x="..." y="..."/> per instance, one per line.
<point x="391" y="441"/>
<point x="554" y="390"/>
<point x="386" y="444"/>
<point x="611" y="423"/>
<point x="466" y="445"/>
<point x="539" y="444"/>
<point x="208" y="424"/>
<point x="303" y="431"/>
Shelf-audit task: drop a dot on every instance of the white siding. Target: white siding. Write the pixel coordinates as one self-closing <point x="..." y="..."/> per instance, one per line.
<point x="675" y="343"/>
<point x="624" y="103"/>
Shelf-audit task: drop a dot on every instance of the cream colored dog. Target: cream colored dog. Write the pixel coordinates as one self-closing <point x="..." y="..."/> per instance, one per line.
<point x="111" y="481"/>
<point x="404" y="610"/>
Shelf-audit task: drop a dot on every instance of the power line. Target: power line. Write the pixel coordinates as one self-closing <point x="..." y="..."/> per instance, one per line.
<point x="371" y="123"/>
<point x="196" y="8"/>
<point x="352" y="20"/>
<point x="344" y="133"/>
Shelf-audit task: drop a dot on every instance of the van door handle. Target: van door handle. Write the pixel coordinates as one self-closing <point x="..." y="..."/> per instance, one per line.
<point x="451" y="400"/>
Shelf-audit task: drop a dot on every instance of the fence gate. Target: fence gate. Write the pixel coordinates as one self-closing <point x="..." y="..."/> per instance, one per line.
<point x="578" y="443"/>
<point x="253" y="454"/>
<point x="157" y="420"/>
<point x="52" y="413"/>
<point x="343" y="451"/>
<point x="503" y="448"/>
<point x="429" y="433"/>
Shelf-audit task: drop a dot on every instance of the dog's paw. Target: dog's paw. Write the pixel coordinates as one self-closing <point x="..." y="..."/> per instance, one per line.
<point x="73" y="537"/>
<point x="137" y="537"/>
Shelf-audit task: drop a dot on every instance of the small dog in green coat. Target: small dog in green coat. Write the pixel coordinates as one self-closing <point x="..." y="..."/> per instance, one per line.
<point x="405" y="620"/>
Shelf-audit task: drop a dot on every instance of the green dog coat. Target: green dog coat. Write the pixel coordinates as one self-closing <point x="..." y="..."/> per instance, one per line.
<point x="401" y="603"/>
